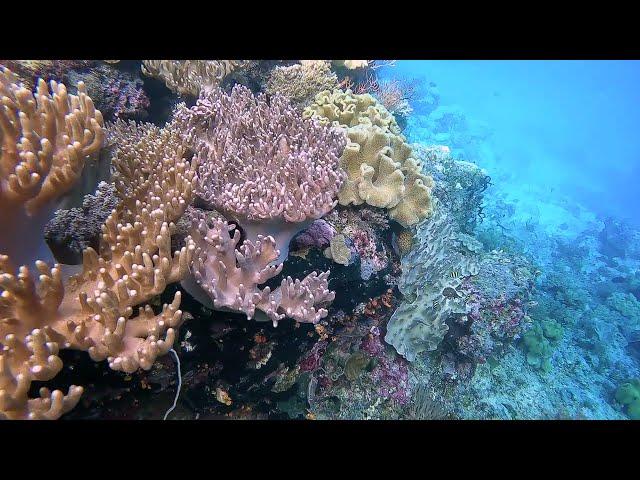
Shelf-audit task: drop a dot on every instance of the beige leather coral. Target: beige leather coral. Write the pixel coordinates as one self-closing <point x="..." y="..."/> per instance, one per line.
<point x="346" y="109"/>
<point x="379" y="164"/>
<point x="46" y="138"/>
<point x="190" y="76"/>
<point x="302" y="81"/>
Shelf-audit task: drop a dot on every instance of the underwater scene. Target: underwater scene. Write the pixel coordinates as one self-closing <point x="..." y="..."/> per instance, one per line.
<point x="319" y="239"/>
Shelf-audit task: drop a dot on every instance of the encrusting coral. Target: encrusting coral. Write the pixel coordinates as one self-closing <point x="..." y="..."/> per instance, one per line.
<point x="189" y="77"/>
<point x="93" y="311"/>
<point x="432" y="274"/>
<point x="270" y="171"/>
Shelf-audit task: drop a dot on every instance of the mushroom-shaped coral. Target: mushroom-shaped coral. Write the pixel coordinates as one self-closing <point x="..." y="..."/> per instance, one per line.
<point x="346" y="109"/>
<point x="261" y="163"/>
<point x="379" y="164"/>
<point x="382" y="173"/>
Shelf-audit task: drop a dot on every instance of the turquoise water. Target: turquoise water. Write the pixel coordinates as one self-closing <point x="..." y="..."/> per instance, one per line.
<point x="560" y="141"/>
<point x="559" y="128"/>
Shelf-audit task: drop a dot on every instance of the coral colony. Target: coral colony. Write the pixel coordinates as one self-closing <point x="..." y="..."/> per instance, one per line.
<point x="284" y="239"/>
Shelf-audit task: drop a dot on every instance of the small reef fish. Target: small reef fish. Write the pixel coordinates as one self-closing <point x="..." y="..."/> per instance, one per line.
<point x="455" y="274"/>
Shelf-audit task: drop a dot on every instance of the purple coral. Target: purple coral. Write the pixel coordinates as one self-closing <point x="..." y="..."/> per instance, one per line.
<point x="318" y="235"/>
<point x="272" y="172"/>
<point x="371" y="343"/>
<point x="495" y="321"/>
<point x="311" y="361"/>
<point x="261" y="160"/>
<point x="261" y="163"/>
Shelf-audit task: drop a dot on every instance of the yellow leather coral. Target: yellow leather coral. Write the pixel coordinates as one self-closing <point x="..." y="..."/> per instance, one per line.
<point x="346" y="109"/>
<point x="381" y="173"/>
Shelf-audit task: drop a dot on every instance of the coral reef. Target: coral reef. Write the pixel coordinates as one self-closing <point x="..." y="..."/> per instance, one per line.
<point x="499" y="298"/>
<point x="627" y="305"/>
<point x="30" y="71"/>
<point x="539" y="342"/>
<point x="318" y="235"/>
<point x="403" y="242"/>
<point x="358" y="240"/>
<point x="395" y="94"/>
<point x="459" y="185"/>
<point x="118" y="94"/>
<point x="189" y="77"/>
<point x="628" y="394"/>
<point x="338" y="250"/>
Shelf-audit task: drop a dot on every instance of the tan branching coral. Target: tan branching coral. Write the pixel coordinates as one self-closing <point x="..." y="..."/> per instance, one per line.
<point x="93" y="311"/>
<point x="301" y="82"/>
<point x="189" y="77"/>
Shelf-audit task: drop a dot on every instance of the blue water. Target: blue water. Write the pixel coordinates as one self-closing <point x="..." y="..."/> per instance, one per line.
<point x="560" y="141"/>
<point x="560" y="129"/>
